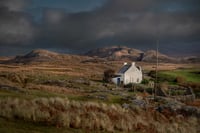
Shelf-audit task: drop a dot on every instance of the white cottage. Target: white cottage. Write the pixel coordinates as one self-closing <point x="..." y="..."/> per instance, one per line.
<point x="129" y="73"/>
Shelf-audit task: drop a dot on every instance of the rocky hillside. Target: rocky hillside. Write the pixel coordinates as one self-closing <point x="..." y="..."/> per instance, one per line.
<point x="150" y="56"/>
<point x="41" y="55"/>
<point x="191" y="59"/>
<point x="118" y="52"/>
<point x="114" y="52"/>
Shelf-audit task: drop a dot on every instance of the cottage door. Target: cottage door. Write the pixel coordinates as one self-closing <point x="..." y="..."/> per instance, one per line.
<point x="118" y="81"/>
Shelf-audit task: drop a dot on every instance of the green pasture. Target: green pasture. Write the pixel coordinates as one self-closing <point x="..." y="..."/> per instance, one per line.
<point x="190" y="75"/>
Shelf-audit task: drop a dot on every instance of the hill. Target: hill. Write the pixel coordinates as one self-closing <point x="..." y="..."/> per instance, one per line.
<point x="114" y="52"/>
<point x="120" y="53"/>
<point x="191" y="59"/>
<point x="3" y="58"/>
<point x="150" y="56"/>
<point x="41" y="55"/>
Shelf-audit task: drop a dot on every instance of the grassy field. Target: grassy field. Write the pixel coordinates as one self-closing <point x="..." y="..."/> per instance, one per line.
<point x="29" y="96"/>
<point x="190" y="75"/>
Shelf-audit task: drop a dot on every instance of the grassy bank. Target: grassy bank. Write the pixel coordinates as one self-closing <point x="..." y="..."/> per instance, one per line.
<point x="89" y="116"/>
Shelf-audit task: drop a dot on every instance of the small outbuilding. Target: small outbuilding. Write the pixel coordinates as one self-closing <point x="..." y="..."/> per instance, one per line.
<point x="129" y="73"/>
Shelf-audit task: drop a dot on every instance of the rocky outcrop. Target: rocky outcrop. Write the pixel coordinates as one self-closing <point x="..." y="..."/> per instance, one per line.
<point x="150" y="56"/>
<point x="122" y="52"/>
<point x="115" y="53"/>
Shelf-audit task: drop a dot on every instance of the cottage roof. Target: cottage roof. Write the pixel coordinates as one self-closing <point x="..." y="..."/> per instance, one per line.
<point x="124" y="68"/>
<point x="115" y="76"/>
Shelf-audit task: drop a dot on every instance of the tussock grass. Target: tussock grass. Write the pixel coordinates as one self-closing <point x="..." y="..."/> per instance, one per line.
<point x="62" y="112"/>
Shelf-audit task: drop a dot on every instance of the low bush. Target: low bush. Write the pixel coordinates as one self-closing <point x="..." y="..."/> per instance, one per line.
<point x="149" y="90"/>
<point x="108" y="75"/>
<point x="145" y="81"/>
<point x="180" y="80"/>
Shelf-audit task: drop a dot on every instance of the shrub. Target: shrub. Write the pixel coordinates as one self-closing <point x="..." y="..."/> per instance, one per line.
<point x="149" y="90"/>
<point x="108" y="75"/>
<point x="180" y="80"/>
<point x="130" y="85"/>
<point x="152" y="74"/>
<point x="145" y="81"/>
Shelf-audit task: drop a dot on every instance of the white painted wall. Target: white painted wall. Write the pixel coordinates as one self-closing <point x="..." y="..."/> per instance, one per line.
<point x="114" y="80"/>
<point x="133" y="75"/>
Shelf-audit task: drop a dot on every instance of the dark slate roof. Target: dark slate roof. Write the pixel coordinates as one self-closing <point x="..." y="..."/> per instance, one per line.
<point x="115" y="76"/>
<point x="124" y="68"/>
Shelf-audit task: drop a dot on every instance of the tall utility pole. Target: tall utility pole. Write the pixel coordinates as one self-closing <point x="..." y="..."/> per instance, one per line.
<point x="156" y="82"/>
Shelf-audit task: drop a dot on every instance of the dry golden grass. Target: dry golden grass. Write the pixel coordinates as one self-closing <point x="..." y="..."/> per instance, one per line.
<point x="93" y="116"/>
<point x="77" y="68"/>
<point x="55" y="89"/>
<point x="194" y="103"/>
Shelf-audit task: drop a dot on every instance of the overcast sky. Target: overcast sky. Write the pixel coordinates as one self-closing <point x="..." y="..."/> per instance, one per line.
<point x="76" y="26"/>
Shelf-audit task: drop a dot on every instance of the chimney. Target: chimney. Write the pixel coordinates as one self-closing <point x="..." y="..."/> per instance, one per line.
<point x="125" y="63"/>
<point x="133" y="63"/>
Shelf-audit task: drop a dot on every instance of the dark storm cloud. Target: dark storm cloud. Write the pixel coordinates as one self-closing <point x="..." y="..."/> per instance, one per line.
<point x="13" y="5"/>
<point x="118" y="22"/>
<point x="133" y="23"/>
<point x="15" y="26"/>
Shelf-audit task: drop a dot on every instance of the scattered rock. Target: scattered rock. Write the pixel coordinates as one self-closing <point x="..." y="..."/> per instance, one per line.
<point x="140" y="103"/>
<point x="100" y="97"/>
<point x="125" y="105"/>
<point x="10" y="88"/>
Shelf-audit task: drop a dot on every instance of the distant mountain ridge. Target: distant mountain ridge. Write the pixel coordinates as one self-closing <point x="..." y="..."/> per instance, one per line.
<point x="113" y="53"/>
<point x="122" y="52"/>
<point x="41" y="55"/>
<point x="38" y="55"/>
